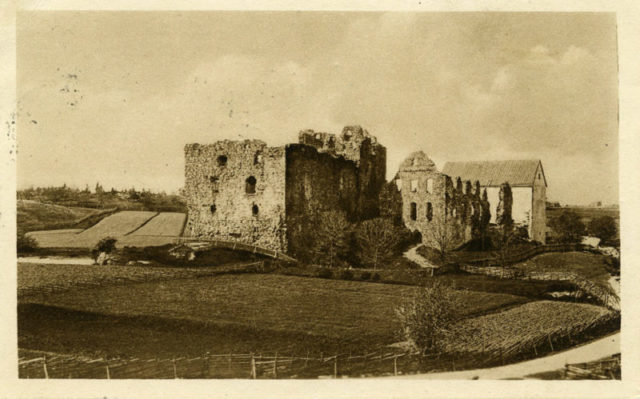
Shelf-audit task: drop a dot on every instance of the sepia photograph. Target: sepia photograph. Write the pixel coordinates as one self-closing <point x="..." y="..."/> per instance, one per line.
<point x="322" y="194"/>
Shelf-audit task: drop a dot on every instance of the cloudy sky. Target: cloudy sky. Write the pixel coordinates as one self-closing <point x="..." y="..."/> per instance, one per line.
<point x="114" y="96"/>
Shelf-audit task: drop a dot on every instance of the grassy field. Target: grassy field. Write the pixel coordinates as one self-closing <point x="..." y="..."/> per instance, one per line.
<point x="524" y="327"/>
<point x="587" y="265"/>
<point x="33" y="215"/>
<point x="36" y="278"/>
<point x="130" y="228"/>
<point x="227" y="311"/>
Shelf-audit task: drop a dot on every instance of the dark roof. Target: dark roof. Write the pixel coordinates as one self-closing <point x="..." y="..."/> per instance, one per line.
<point x="494" y="173"/>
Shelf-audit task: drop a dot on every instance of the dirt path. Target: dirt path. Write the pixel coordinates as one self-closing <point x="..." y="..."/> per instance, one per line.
<point x="413" y="255"/>
<point x="595" y="350"/>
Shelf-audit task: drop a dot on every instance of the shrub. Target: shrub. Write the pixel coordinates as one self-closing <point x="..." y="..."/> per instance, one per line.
<point x="568" y="227"/>
<point x="426" y="317"/>
<point x="26" y="243"/>
<point x="365" y="276"/>
<point x="106" y="245"/>
<point x="603" y="227"/>
<point x="325" y="273"/>
<point x="376" y="240"/>
<point x="346" y="275"/>
<point x="375" y="277"/>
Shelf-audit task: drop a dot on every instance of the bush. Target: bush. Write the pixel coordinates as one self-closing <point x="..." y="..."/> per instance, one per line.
<point x="568" y="227"/>
<point x="26" y="243"/>
<point x="375" y="277"/>
<point x="346" y="275"/>
<point x="427" y="317"/>
<point x="603" y="227"/>
<point x="106" y="245"/>
<point x="365" y="276"/>
<point x="325" y="273"/>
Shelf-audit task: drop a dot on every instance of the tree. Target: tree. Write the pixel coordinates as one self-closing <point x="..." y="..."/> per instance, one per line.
<point x="426" y="317"/>
<point x="103" y="248"/>
<point x="444" y="235"/>
<point x="391" y="203"/>
<point x="568" y="226"/>
<point x="331" y="238"/>
<point x="603" y="227"/>
<point x="376" y="239"/>
<point x="25" y="243"/>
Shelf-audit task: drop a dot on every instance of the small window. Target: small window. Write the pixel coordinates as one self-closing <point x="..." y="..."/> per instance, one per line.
<point x="222" y="160"/>
<point x="429" y="186"/>
<point x="414" y="185"/>
<point x="429" y="211"/>
<point x="257" y="159"/>
<point x="414" y="211"/>
<point x="212" y="208"/>
<point x="250" y="187"/>
<point x="254" y="209"/>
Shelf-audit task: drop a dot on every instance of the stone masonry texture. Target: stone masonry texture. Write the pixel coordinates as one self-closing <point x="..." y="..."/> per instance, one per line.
<point x="248" y="192"/>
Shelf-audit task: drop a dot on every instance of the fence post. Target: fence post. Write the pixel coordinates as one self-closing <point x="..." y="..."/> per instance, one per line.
<point x="108" y="373"/>
<point x="275" y="366"/>
<point x="306" y="360"/>
<point x="253" y="367"/>
<point x="175" y="369"/>
<point x="395" y="365"/>
<point x="44" y="366"/>
<point x="335" y="366"/>
<point x="229" y="362"/>
<point x="550" y="344"/>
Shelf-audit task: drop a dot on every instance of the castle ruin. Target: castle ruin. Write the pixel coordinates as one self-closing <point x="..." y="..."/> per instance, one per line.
<point x="249" y="192"/>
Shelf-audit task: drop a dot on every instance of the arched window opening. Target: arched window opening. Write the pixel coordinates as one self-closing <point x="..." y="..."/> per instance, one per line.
<point x="255" y="210"/>
<point x="414" y="211"/>
<point x="250" y="187"/>
<point x="222" y="160"/>
<point x="212" y="208"/>
<point x="429" y="211"/>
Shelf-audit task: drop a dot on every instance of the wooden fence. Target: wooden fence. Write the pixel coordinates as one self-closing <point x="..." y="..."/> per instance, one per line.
<point x="252" y="366"/>
<point x="604" y="294"/>
<point x="206" y="243"/>
<point x="604" y="369"/>
<point x="523" y="255"/>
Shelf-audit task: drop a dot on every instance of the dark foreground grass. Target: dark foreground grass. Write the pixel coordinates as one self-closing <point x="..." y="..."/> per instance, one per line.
<point x="234" y="308"/>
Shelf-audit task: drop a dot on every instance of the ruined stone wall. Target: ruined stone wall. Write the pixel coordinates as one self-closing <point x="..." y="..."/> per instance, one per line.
<point x="436" y="207"/>
<point x="370" y="157"/>
<point x="316" y="182"/>
<point x="219" y="206"/>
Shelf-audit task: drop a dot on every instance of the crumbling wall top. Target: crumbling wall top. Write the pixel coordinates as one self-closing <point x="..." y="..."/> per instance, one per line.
<point x="418" y="162"/>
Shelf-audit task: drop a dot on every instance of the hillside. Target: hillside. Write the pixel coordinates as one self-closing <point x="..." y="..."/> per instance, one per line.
<point x="34" y="215"/>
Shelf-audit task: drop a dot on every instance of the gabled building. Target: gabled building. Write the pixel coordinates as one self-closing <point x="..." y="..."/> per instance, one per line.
<point x="528" y="185"/>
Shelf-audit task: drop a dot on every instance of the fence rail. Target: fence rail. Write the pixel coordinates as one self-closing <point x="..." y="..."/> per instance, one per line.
<point x="526" y="254"/>
<point x="208" y="243"/>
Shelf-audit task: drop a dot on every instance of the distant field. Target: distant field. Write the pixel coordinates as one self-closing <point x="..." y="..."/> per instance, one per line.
<point x="587" y="265"/>
<point x="33" y="215"/>
<point x="32" y="278"/>
<point x="353" y="313"/>
<point x="130" y="228"/>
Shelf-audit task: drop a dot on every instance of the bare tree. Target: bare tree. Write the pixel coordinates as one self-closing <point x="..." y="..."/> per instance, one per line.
<point x="444" y="234"/>
<point x="376" y="239"/>
<point x="426" y="317"/>
<point x="331" y="236"/>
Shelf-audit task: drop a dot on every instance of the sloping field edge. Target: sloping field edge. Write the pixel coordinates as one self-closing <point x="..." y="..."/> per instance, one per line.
<point x="143" y="223"/>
